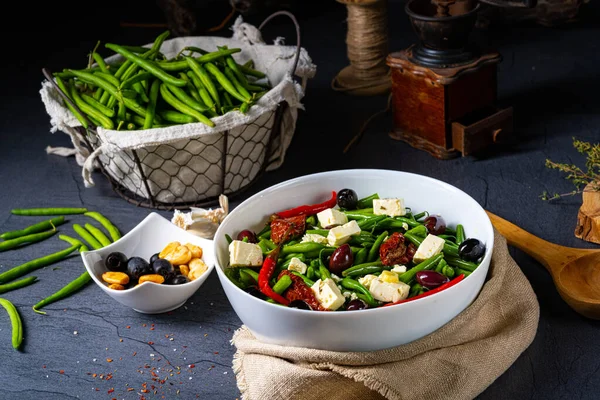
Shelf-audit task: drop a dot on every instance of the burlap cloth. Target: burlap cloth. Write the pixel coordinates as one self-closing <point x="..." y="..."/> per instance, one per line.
<point x="458" y="361"/>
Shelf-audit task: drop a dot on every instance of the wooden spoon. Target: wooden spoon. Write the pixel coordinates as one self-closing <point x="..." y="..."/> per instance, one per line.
<point x="576" y="272"/>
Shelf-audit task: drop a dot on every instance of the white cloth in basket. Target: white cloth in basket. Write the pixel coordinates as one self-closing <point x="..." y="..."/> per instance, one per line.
<point x="247" y="134"/>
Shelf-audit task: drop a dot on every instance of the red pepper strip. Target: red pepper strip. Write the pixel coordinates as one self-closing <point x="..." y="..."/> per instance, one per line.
<point x="309" y="209"/>
<point x="265" y="274"/>
<point x="432" y="291"/>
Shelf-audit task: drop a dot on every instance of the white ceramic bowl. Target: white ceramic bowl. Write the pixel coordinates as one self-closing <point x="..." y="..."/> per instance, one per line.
<point x="149" y="237"/>
<point x="364" y="330"/>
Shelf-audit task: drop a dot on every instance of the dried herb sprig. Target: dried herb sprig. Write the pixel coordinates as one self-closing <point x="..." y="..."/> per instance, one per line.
<point x="588" y="180"/>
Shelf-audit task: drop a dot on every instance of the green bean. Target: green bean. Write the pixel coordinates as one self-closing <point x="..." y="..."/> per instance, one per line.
<point x="307" y="281"/>
<point x="374" y="252"/>
<point x="228" y="238"/>
<point x="193" y="49"/>
<point x="237" y="85"/>
<point x="74" y="242"/>
<point x="66" y="92"/>
<point x="310" y="272"/>
<point x="325" y="274"/>
<point x="460" y="234"/>
<point x="357" y="217"/>
<point x="121" y="113"/>
<point x="462" y="264"/>
<point x="431" y="262"/>
<point x="191" y="88"/>
<point x="450" y="231"/>
<point x="85" y="235"/>
<point x="322" y="232"/>
<point x="17" y="284"/>
<point x="421" y="215"/>
<point x="311" y="220"/>
<point x="15" y="320"/>
<point x="223" y="81"/>
<point x="92" y="111"/>
<point x="204" y="95"/>
<point x="463" y="271"/>
<point x="97" y="105"/>
<point x="368" y="299"/>
<point x="27" y="239"/>
<point x="363" y="211"/>
<point x="249" y="64"/>
<point x="129" y="103"/>
<point x="235" y="68"/>
<point x="361" y="256"/>
<point x="151" y="110"/>
<point x="187" y="99"/>
<point x="370" y="223"/>
<point x="32" y="265"/>
<point x="440" y="266"/>
<point x="142" y="76"/>
<point x="182" y="65"/>
<point x="66" y="291"/>
<point x="109" y="78"/>
<point x="35" y="228"/>
<point x="148" y="65"/>
<point x="301" y="248"/>
<point x="420" y="231"/>
<point x="448" y="271"/>
<point x="246" y="279"/>
<point x="231" y="274"/>
<point x="251" y="72"/>
<point x="415" y="290"/>
<point x="103" y="68"/>
<point x="184" y="108"/>
<point x="48" y="211"/>
<point x="136" y="49"/>
<point x="205" y="78"/>
<point x="98" y="235"/>
<point x="399" y="222"/>
<point x="282" y="284"/>
<point x="299" y="256"/>
<point x="174" y="116"/>
<point x="65" y="74"/>
<point x="367" y="202"/>
<point x="250" y="272"/>
<point x="368" y="266"/>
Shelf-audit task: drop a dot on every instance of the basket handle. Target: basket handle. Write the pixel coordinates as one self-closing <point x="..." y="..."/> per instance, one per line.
<point x="297" y="26"/>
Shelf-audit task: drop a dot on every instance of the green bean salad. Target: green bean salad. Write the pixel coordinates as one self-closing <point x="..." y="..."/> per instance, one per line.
<point x="351" y="254"/>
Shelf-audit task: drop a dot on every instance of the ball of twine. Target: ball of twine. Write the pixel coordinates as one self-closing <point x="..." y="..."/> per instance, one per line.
<point x="367" y="49"/>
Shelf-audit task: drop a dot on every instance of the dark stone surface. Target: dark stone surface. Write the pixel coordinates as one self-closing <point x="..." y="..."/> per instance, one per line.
<point x="549" y="75"/>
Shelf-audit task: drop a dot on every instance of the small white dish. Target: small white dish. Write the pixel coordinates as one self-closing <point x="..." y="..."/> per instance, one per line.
<point x="149" y="237"/>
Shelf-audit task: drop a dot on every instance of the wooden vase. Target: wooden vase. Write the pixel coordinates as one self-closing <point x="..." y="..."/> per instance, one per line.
<point x="588" y="219"/>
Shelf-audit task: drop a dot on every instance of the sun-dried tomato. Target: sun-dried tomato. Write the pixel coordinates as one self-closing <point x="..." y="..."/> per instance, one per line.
<point x="395" y="251"/>
<point x="280" y="226"/>
<point x="299" y="290"/>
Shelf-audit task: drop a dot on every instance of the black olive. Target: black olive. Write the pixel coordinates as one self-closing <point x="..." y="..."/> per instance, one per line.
<point x="301" y="304"/>
<point x="246" y="233"/>
<point x="347" y="198"/>
<point x="253" y="290"/>
<point x="116" y="261"/>
<point x="356" y="304"/>
<point x="163" y="267"/>
<point x="136" y="267"/>
<point x="153" y="258"/>
<point x="178" y="280"/>
<point x="435" y="224"/>
<point x="471" y="250"/>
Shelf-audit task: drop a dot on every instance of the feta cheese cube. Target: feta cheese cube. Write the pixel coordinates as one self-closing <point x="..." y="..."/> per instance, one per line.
<point x="399" y="269"/>
<point x="389" y="207"/>
<point x="297" y="265"/>
<point x="341" y="234"/>
<point x="331" y="217"/>
<point x="388" y="292"/>
<point x="242" y="254"/>
<point x="328" y="294"/>
<point x="366" y="280"/>
<point x="313" y="237"/>
<point x="431" y="246"/>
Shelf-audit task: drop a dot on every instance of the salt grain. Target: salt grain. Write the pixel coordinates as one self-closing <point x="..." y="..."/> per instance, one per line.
<point x="75" y="332"/>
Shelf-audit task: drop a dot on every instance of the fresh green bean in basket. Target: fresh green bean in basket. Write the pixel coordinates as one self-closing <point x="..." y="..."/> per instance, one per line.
<point x="205" y="79"/>
<point x="182" y="65"/>
<point x="182" y="107"/>
<point x="224" y="81"/>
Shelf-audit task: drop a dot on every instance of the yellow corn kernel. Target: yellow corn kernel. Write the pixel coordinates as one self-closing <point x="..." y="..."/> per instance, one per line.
<point x="156" y="278"/>
<point x="196" y="250"/>
<point x="116" y="286"/>
<point x="196" y="264"/>
<point x="120" y="278"/>
<point x="181" y="255"/>
<point x="168" y="249"/>
<point x="184" y="270"/>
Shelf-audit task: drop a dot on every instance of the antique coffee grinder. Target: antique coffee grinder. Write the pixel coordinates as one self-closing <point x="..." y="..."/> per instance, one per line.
<point x="444" y="87"/>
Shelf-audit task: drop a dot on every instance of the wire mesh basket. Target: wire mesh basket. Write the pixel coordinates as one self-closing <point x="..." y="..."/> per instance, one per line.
<point x="194" y="172"/>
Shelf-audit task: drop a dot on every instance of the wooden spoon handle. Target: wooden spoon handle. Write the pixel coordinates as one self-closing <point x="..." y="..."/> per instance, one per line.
<point x="548" y="254"/>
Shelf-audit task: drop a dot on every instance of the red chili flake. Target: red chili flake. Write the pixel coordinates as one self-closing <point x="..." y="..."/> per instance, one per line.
<point x="94" y="375"/>
<point x="109" y="360"/>
<point x="145" y="391"/>
<point x="153" y="374"/>
<point x="130" y="389"/>
<point x="128" y="327"/>
<point x="185" y="347"/>
<point x="62" y="371"/>
<point x="97" y="389"/>
<point x="144" y="325"/>
<point x="121" y="340"/>
<point x="150" y="343"/>
<point x="134" y="353"/>
<point x="192" y="366"/>
<point x="167" y="336"/>
<point x="216" y="352"/>
<point x="120" y="358"/>
<point x="111" y="390"/>
<point x="43" y="366"/>
<point x="151" y="329"/>
<point x="152" y="325"/>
